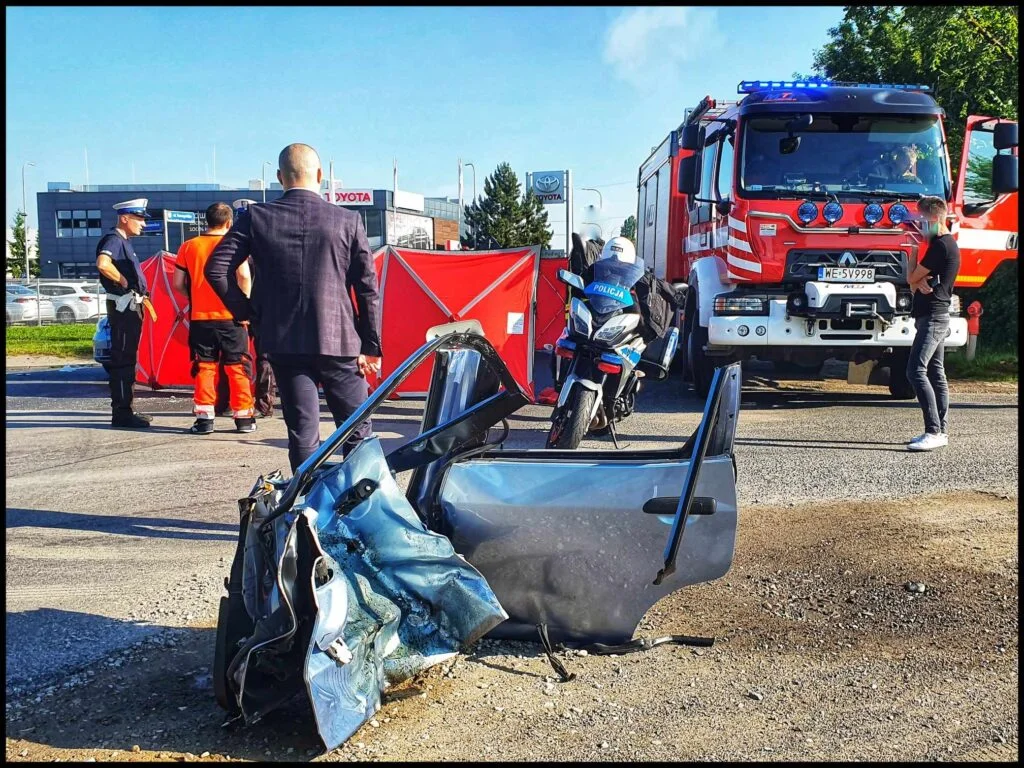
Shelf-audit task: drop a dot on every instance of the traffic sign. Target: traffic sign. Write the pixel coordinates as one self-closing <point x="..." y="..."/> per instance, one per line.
<point x="185" y="217"/>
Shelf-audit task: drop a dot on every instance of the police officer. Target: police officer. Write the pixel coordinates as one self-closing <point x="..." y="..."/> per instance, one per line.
<point x="122" y="279"/>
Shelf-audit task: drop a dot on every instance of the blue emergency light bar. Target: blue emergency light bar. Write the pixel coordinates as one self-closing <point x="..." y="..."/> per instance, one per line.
<point x="753" y="86"/>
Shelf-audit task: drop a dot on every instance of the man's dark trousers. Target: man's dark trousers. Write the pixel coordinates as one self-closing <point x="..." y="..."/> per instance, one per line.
<point x="927" y="373"/>
<point x="344" y="390"/>
<point x="125" y="333"/>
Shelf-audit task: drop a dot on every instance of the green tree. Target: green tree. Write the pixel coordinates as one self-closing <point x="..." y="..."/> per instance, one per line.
<point x="967" y="53"/>
<point x="978" y="181"/>
<point x="506" y="215"/>
<point x="17" y="246"/>
<point x="35" y="266"/>
<point x="628" y="229"/>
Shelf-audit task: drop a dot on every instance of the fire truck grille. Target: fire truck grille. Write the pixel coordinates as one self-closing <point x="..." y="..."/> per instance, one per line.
<point x="890" y="266"/>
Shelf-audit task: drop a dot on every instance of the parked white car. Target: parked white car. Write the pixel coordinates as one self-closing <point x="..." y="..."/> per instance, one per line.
<point x="33" y="306"/>
<point x="74" y="302"/>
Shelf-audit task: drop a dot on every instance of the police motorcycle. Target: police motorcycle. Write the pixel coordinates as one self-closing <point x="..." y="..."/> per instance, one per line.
<point x="602" y="356"/>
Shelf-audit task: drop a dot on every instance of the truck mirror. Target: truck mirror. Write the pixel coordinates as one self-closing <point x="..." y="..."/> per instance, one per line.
<point x="801" y="123"/>
<point x="1004" y="174"/>
<point x="691" y="137"/>
<point x="789" y="145"/>
<point x="724" y="206"/>
<point x="1004" y="136"/>
<point x="687" y="183"/>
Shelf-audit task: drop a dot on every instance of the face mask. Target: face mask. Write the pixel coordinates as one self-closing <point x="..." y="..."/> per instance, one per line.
<point x="931" y="228"/>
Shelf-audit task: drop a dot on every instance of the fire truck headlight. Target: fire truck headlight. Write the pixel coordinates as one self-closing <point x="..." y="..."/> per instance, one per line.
<point x="873" y="213"/>
<point x="807" y="212"/>
<point x="898" y="213"/>
<point x="832" y="212"/>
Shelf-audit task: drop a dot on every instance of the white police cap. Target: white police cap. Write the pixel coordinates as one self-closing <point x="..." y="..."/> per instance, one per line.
<point x="136" y="207"/>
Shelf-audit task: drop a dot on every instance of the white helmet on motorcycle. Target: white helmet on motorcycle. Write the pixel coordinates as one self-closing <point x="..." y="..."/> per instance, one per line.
<point x="620" y="249"/>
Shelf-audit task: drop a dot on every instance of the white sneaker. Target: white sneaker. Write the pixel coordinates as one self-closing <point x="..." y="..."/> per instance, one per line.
<point x="929" y="442"/>
<point x="917" y="439"/>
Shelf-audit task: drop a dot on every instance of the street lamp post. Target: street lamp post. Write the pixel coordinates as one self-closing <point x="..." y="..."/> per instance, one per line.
<point x="24" y="209"/>
<point x="600" y="199"/>
<point x="263" y="179"/>
<point x="470" y="165"/>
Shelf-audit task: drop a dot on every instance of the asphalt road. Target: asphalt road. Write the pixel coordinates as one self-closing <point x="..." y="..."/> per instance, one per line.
<point x="113" y="535"/>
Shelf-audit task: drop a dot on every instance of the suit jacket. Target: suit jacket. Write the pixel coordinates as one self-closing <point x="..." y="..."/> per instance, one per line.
<point x="308" y="256"/>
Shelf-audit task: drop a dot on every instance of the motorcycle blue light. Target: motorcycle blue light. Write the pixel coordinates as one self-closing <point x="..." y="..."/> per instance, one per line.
<point x="832" y="212"/>
<point x="807" y="212"/>
<point x="898" y="213"/>
<point x="873" y="213"/>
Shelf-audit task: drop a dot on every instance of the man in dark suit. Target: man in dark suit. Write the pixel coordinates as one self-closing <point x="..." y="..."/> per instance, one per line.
<point x="308" y="257"/>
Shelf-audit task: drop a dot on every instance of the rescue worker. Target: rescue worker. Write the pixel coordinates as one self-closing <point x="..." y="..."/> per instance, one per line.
<point x="214" y="337"/>
<point x="127" y="292"/>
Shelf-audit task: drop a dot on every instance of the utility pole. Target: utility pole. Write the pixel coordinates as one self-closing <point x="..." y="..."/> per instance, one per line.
<point x="263" y="179"/>
<point x="470" y="165"/>
<point x="24" y="209"/>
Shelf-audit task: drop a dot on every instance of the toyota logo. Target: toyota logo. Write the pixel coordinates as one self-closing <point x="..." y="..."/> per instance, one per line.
<point x="847" y="259"/>
<point x="547" y="183"/>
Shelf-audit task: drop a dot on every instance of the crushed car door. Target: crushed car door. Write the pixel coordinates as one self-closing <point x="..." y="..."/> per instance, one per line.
<point x="987" y="218"/>
<point x="574" y="539"/>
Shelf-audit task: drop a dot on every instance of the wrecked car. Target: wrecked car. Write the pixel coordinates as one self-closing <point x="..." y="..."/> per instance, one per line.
<point x="343" y="585"/>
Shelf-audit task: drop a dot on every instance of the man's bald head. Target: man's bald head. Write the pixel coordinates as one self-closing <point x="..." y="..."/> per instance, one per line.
<point x="298" y="165"/>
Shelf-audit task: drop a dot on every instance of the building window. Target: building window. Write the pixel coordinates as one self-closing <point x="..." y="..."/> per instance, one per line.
<point x="79" y="223"/>
<point x="373" y="222"/>
<point x="78" y="270"/>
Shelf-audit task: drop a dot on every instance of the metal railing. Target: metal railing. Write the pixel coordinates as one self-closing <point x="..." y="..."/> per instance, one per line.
<point x="48" y="301"/>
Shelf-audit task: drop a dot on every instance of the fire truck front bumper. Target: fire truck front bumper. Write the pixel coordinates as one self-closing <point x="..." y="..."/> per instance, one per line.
<point x="778" y="328"/>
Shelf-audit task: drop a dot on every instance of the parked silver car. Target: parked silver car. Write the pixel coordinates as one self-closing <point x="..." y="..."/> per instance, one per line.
<point x="33" y="306"/>
<point x="75" y="301"/>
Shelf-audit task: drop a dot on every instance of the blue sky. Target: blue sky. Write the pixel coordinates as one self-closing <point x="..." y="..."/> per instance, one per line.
<point x="591" y="89"/>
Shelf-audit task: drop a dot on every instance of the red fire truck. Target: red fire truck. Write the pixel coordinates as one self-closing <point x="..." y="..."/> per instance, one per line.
<point x="789" y="216"/>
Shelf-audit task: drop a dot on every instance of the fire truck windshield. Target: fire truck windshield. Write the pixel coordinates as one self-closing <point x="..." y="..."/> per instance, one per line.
<point x="863" y="156"/>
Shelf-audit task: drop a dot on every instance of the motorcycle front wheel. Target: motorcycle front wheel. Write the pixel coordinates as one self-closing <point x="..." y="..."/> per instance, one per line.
<point x="570" y="424"/>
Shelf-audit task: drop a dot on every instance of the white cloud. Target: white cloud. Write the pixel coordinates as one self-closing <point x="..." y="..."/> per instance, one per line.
<point x="648" y="47"/>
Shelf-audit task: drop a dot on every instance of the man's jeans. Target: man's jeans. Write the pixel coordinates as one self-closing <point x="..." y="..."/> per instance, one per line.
<point x="927" y="373"/>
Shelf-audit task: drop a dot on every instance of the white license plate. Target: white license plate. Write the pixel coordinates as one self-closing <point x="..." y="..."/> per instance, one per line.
<point x="847" y="274"/>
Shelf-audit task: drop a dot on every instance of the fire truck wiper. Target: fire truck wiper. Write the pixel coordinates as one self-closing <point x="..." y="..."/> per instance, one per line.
<point x="888" y="194"/>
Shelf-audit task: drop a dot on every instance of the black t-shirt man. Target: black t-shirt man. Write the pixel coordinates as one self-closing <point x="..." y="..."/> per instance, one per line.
<point x="122" y="254"/>
<point x="942" y="259"/>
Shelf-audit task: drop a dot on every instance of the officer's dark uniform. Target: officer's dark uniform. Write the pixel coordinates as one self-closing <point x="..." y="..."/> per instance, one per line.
<point x="125" y="328"/>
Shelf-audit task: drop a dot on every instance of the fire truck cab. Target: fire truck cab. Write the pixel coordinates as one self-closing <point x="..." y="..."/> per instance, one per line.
<point x="790" y="216"/>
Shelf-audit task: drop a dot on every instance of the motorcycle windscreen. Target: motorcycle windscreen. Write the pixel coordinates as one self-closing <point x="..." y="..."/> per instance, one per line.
<point x="568" y="542"/>
<point x="609" y="290"/>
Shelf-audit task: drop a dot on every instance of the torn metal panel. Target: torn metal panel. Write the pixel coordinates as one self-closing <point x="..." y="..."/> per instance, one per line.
<point x="348" y="599"/>
<point x="408" y="600"/>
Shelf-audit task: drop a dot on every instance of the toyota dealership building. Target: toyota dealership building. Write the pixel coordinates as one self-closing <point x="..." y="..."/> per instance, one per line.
<point x="72" y="219"/>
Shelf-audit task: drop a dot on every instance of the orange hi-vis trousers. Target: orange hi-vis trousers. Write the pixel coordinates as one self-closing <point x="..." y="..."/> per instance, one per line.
<point x="239" y="386"/>
<point x="219" y="341"/>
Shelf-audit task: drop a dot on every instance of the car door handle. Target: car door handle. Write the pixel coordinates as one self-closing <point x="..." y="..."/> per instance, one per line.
<point x="666" y="505"/>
